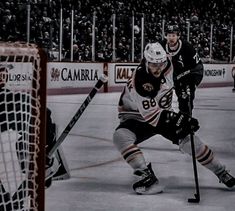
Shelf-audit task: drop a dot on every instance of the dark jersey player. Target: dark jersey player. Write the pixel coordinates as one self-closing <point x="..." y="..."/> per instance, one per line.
<point x="188" y="67"/>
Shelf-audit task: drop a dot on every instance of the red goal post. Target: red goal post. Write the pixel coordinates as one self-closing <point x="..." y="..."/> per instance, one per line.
<point x="23" y="69"/>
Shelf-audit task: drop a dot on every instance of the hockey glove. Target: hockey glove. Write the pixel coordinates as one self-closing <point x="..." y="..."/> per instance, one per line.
<point x="181" y="123"/>
<point x="183" y="92"/>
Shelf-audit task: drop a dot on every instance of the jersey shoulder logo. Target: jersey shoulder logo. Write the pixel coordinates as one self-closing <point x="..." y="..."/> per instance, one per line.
<point x="148" y="87"/>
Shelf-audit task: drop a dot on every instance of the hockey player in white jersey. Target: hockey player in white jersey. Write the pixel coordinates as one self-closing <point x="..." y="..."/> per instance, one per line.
<point x="145" y="109"/>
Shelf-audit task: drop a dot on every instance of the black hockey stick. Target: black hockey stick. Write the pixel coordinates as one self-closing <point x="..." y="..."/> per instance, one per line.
<point x="197" y="194"/>
<point x="98" y="85"/>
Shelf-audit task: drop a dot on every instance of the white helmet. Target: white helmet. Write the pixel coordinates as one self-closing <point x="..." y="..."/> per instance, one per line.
<point x="154" y="53"/>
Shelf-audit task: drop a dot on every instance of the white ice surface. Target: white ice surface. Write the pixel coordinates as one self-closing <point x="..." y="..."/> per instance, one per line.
<point x="101" y="180"/>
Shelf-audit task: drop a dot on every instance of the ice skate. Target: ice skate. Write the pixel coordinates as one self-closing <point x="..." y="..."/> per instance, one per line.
<point x="226" y="179"/>
<point x="148" y="184"/>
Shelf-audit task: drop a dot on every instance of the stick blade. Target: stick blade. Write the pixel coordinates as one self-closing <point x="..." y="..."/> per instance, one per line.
<point x="194" y="200"/>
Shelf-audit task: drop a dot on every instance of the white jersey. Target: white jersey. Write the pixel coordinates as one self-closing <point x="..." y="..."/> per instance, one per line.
<point x="134" y="106"/>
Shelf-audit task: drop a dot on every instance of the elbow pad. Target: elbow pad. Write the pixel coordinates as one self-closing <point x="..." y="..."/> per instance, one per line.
<point x="197" y="73"/>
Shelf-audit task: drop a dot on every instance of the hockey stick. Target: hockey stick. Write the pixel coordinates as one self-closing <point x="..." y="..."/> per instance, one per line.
<point x="197" y="194"/>
<point x="98" y="85"/>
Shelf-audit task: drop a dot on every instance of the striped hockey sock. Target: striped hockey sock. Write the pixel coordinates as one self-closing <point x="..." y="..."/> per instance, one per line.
<point x="134" y="157"/>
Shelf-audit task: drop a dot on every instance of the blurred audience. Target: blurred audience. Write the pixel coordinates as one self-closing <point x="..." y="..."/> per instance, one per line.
<point x="195" y="15"/>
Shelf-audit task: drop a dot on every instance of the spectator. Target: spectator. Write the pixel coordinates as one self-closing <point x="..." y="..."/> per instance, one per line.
<point x="45" y="17"/>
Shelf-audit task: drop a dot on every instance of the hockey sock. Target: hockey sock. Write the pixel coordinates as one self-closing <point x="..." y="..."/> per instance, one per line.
<point x="124" y="141"/>
<point x="134" y="157"/>
<point x="204" y="154"/>
<point x="206" y="158"/>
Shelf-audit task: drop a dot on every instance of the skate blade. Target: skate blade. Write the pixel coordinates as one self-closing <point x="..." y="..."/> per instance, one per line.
<point x="230" y="188"/>
<point x="155" y="189"/>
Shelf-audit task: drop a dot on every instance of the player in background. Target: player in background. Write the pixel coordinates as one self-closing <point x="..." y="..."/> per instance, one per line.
<point x="145" y="109"/>
<point x="188" y="67"/>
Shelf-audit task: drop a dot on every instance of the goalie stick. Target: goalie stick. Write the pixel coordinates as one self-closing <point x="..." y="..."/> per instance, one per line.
<point x="197" y="194"/>
<point x="103" y="79"/>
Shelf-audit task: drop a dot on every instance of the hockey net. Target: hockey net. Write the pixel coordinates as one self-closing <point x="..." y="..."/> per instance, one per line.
<point x="22" y="126"/>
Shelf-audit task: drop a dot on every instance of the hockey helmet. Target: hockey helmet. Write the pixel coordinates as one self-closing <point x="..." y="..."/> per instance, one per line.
<point x="154" y="53"/>
<point x="150" y="74"/>
<point x="173" y="29"/>
<point x="156" y="58"/>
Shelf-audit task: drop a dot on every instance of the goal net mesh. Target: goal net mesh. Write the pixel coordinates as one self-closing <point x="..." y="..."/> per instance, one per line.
<point x="22" y="126"/>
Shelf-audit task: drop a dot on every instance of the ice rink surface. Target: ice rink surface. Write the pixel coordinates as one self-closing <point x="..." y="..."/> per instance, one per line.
<point x="102" y="181"/>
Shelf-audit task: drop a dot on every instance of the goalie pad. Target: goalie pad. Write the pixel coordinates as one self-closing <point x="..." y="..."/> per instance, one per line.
<point x="60" y="168"/>
<point x="56" y="166"/>
<point x="180" y="124"/>
<point x="63" y="171"/>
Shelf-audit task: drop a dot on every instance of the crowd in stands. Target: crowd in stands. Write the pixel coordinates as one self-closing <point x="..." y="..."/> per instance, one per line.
<point x="45" y="25"/>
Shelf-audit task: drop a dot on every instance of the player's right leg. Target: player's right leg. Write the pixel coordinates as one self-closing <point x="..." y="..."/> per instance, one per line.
<point x="206" y="157"/>
<point x="148" y="183"/>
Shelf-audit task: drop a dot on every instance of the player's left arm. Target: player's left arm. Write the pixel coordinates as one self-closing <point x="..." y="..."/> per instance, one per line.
<point x="196" y="67"/>
<point x="193" y="68"/>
